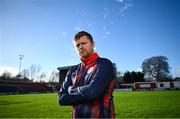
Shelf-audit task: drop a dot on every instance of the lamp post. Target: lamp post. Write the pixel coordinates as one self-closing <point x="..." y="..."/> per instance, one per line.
<point x="20" y="60"/>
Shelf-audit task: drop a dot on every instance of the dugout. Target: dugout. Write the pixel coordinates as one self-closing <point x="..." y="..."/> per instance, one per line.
<point x="62" y="73"/>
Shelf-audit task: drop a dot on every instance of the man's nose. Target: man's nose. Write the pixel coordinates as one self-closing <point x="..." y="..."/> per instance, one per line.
<point x="80" y="46"/>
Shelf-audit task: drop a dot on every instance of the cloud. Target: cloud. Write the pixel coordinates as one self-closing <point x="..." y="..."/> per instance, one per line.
<point x="78" y="28"/>
<point x="120" y="8"/>
<point x="64" y="33"/>
<point x="139" y="69"/>
<point x="105" y="13"/>
<point x="104" y="28"/>
<point x="125" y="4"/>
<point x="120" y="1"/>
<point x="108" y="33"/>
<point x="112" y="22"/>
<point x="81" y="11"/>
<point x="13" y="70"/>
<point x="125" y="7"/>
<point x="104" y="37"/>
<point x="89" y="25"/>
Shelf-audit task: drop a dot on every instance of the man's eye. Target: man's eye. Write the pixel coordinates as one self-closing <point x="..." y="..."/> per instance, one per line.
<point x="77" y="45"/>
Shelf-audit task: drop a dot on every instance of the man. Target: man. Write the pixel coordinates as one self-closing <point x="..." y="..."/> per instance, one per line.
<point x="89" y="85"/>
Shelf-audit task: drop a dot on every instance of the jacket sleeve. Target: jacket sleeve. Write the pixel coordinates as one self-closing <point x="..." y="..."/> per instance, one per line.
<point x="98" y="84"/>
<point x="64" y="97"/>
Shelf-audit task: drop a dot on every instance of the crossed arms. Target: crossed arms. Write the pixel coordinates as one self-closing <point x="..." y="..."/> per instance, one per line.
<point x="69" y="95"/>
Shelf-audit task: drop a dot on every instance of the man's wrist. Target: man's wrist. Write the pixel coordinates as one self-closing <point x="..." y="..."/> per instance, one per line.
<point x="69" y="89"/>
<point x="73" y="91"/>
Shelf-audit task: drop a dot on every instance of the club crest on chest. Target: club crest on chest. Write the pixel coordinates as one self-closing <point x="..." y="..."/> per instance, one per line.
<point x="90" y="70"/>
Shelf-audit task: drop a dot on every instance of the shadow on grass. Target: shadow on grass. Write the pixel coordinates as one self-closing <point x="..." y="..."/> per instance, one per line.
<point x="10" y="103"/>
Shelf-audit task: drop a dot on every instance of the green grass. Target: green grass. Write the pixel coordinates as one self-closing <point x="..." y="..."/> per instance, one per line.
<point x="151" y="104"/>
<point x="147" y="104"/>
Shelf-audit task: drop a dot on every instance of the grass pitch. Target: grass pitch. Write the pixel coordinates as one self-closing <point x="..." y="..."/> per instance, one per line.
<point x="135" y="104"/>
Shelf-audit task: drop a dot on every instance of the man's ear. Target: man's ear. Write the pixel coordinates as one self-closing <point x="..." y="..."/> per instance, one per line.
<point x="94" y="48"/>
<point x="93" y="44"/>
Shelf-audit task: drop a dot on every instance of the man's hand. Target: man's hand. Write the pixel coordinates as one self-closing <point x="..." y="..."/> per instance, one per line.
<point x="73" y="91"/>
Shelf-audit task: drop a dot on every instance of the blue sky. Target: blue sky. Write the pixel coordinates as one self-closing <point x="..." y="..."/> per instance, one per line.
<point x="125" y="31"/>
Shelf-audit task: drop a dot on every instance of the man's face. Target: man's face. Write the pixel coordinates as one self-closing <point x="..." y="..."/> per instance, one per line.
<point x="84" y="47"/>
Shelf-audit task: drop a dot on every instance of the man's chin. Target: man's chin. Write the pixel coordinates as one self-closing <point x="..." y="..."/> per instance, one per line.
<point x="83" y="56"/>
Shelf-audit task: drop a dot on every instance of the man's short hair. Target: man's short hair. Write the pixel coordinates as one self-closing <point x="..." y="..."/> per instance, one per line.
<point x="83" y="33"/>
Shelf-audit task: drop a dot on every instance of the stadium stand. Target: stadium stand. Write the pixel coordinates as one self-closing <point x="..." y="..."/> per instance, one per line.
<point x="10" y="87"/>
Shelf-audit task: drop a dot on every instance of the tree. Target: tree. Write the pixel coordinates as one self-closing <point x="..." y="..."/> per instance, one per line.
<point x="128" y="77"/>
<point x="52" y="77"/>
<point x="118" y="78"/>
<point x="131" y="77"/>
<point x="156" y="68"/>
<point x="34" y="72"/>
<point x="43" y="77"/>
<point x="25" y="73"/>
<point x="134" y="76"/>
<point x="6" y="76"/>
<point x="140" y="76"/>
<point x="177" y="78"/>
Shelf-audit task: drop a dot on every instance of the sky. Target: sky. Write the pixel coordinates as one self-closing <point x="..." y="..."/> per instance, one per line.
<point x="125" y="31"/>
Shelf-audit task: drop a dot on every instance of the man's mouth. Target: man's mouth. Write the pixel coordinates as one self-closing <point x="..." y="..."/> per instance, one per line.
<point x="81" y="52"/>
